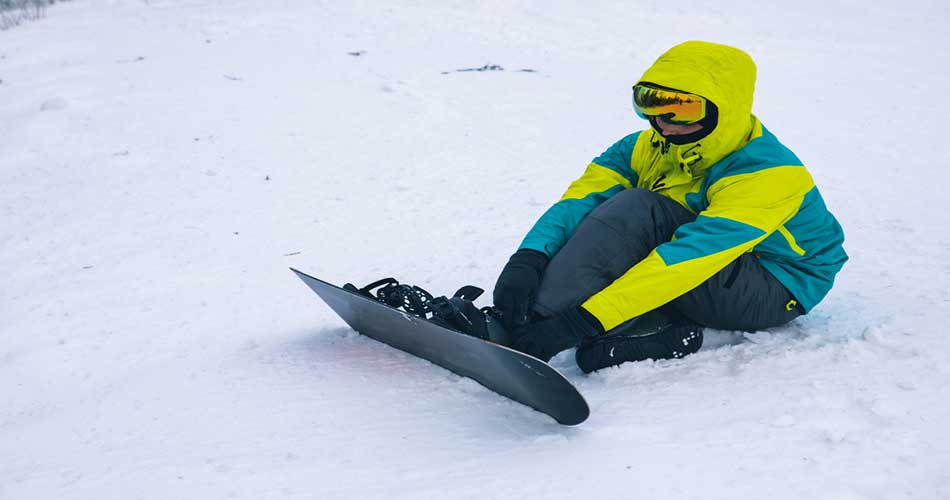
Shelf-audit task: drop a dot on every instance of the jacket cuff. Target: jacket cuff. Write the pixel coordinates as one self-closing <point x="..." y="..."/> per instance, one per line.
<point x="537" y="260"/>
<point x="585" y="323"/>
<point x="539" y="248"/>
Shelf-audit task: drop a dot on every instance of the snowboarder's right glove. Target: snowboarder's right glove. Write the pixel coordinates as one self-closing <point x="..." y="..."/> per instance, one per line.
<point x="518" y="285"/>
<point x="543" y="339"/>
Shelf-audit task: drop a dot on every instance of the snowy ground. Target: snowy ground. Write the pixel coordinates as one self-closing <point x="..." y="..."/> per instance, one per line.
<point x="164" y="162"/>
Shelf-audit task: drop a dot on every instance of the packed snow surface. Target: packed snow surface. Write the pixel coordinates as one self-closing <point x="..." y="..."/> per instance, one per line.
<point x="164" y="162"/>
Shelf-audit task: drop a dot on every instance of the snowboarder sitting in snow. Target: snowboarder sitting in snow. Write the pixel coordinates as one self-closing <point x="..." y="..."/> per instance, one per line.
<point x="703" y="220"/>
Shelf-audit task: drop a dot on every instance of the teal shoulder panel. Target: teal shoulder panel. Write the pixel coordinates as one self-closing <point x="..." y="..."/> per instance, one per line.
<point x="559" y="222"/>
<point x="617" y="157"/>
<point x="760" y="153"/>
<point x="706" y="236"/>
<point x="767" y="148"/>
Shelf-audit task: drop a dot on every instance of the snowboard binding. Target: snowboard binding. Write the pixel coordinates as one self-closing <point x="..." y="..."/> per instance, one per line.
<point x="458" y="313"/>
<point x="410" y="298"/>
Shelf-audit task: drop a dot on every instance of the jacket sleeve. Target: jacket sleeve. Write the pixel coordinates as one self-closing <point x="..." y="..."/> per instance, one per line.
<point x="743" y="210"/>
<point x="605" y="176"/>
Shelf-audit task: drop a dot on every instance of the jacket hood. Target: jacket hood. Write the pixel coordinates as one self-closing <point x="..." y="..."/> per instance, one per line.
<point x="726" y="76"/>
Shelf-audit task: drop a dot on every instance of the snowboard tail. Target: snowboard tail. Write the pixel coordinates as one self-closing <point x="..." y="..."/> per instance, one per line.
<point x="510" y="373"/>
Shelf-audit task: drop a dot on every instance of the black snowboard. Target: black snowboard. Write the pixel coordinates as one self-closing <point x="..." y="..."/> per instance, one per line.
<point x="510" y="373"/>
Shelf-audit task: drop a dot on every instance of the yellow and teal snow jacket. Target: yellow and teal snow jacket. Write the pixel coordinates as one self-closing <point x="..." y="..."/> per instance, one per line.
<point x="749" y="192"/>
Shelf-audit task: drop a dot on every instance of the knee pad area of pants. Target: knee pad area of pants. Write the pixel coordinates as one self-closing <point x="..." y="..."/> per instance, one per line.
<point x="626" y="202"/>
<point x="631" y="212"/>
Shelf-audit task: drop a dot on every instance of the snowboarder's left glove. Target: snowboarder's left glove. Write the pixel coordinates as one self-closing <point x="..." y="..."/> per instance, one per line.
<point x="548" y="337"/>
<point x="518" y="286"/>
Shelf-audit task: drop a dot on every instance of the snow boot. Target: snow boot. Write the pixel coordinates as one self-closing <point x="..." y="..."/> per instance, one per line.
<point x="654" y="335"/>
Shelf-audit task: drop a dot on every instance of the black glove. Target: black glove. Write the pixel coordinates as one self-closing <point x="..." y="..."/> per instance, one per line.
<point x="518" y="285"/>
<point x="546" y="338"/>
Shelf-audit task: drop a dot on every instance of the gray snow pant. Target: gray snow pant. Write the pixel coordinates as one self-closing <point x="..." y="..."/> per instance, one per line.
<point x="623" y="231"/>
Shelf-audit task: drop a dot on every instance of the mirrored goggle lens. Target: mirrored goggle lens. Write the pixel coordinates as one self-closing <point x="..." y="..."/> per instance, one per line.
<point x="677" y="107"/>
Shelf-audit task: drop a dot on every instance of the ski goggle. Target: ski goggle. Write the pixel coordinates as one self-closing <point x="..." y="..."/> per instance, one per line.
<point x="677" y="107"/>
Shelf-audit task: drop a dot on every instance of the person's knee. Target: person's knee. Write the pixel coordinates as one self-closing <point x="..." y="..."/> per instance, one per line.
<point x="631" y="211"/>
<point x="628" y="201"/>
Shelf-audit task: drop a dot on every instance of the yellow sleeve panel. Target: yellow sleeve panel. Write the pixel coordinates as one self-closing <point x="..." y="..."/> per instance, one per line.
<point x="765" y="199"/>
<point x="743" y="210"/>
<point x="596" y="179"/>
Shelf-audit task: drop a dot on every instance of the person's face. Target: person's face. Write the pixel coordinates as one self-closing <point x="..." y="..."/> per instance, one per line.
<point x="668" y="128"/>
